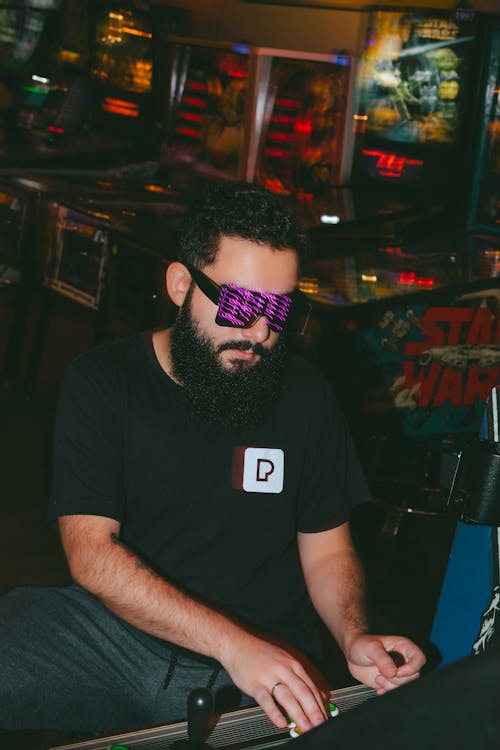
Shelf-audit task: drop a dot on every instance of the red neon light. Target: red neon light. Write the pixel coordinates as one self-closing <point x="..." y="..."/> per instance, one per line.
<point x="407" y="277"/>
<point x="392" y="160"/>
<point x="279" y="154"/>
<point x="281" y="137"/>
<point x="283" y="120"/>
<point x="385" y="173"/>
<point x="188" y="131"/>
<point x="291" y="103"/>
<point x="235" y="73"/>
<point x="53" y="129"/>
<point x="193" y="101"/>
<point x="304" y="127"/>
<point x="191" y="116"/>
<point x="193" y="86"/>
<point x="232" y="71"/>
<point x="391" y="250"/>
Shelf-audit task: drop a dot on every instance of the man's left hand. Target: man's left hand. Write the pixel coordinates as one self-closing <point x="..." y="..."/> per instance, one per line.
<point x="369" y="660"/>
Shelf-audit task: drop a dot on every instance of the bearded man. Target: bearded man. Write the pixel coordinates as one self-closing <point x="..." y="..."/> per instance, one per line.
<point x="203" y="481"/>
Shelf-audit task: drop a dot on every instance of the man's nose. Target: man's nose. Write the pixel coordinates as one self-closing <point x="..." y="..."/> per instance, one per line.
<point x="259" y="331"/>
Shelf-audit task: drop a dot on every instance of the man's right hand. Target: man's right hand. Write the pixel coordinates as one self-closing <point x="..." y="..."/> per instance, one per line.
<point x="124" y="583"/>
<point x="275" y="678"/>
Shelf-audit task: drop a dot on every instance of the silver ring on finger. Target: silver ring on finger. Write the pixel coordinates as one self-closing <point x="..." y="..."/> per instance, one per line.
<point x="274" y="688"/>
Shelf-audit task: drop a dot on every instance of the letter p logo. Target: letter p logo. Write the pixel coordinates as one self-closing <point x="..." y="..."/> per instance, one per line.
<point x="263" y="470"/>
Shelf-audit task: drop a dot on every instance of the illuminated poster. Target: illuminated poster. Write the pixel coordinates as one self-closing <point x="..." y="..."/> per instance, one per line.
<point x="414" y="77"/>
<point x="439" y="362"/>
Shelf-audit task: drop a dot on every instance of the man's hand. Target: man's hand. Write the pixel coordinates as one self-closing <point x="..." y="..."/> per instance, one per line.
<point x="369" y="661"/>
<point x="274" y="678"/>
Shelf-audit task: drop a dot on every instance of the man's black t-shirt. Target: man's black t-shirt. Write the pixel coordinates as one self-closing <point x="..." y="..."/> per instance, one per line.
<point x="215" y="510"/>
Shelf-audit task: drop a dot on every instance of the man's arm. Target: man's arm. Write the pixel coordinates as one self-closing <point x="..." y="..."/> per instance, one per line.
<point x="336" y="585"/>
<point x="126" y="585"/>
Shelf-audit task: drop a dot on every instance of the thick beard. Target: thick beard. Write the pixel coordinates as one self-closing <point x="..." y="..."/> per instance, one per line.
<point x="234" y="397"/>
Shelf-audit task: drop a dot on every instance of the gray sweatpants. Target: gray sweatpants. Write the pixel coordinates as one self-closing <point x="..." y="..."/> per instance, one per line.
<point x="66" y="662"/>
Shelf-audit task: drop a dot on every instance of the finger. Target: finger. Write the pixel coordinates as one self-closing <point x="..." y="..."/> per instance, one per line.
<point x="385" y="685"/>
<point x="300" y="704"/>
<point x="382" y="660"/>
<point x="321" y="695"/>
<point x="270" y="707"/>
<point x="415" y="660"/>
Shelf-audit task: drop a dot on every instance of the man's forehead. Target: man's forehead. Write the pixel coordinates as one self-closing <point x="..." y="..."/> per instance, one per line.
<point x="254" y="265"/>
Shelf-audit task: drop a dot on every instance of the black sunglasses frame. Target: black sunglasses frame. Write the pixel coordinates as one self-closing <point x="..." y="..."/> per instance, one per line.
<point x="212" y="290"/>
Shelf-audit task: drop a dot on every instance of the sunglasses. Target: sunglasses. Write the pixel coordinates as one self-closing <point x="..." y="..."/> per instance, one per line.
<point x="241" y="308"/>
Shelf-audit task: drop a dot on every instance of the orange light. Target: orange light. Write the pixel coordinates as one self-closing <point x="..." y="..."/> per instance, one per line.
<point x="120" y="107"/>
<point x="136" y="32"/>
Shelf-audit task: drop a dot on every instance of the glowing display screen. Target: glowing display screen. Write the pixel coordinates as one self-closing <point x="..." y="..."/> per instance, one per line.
<point x="388" y="165"/>
<point x="414" y="77"/>
<point x="123" y="51"/>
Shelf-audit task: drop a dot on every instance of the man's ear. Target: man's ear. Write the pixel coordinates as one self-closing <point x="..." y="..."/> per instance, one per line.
<point x="178" y="281"/>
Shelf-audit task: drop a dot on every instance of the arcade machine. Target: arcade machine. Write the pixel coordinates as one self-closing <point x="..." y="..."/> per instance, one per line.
<point x="485" y="204"/>
<point x="64" y="134"/>
<point x="302" y="107"/>
<point x="408" y="336"/>
<point x="24" y="203"/>
<point x="414" y="102"/>
<point x="206" y="112"/>
<point x="205" y="102"/>
<point x="465" y="621"/>
<point x="26" y="30"/>
<point x="105" y="265"/>
<point x="300" y="142"/>
<point x="93" y="110"/>
<point x="207" y="726"/>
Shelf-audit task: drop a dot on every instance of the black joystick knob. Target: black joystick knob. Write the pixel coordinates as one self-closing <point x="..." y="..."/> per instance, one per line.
<point x="200" y="709"/>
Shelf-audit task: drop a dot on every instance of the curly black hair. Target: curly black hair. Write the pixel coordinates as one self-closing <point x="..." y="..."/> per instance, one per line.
<point x="242" y="210"/>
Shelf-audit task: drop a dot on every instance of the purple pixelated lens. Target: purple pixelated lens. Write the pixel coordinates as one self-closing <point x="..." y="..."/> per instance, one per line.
<point x="241" y="308"/>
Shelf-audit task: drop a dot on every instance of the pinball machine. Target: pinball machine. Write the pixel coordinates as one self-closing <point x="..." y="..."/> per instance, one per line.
<point x="301" y="109"/>
<point x="408" y="337"/>
<point x="466" y="616"/>
<point x="485" y="205"/>
<point x="408" y="133"/>
<point x="71" y="134"/>
<point x="207" y="103"/>
<point x="89" y="99"/>
<point x="203" y="98"/>
<point x="105" y="261"/>
<point x="248" y="727"/>
<point x="415" y="115"/>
